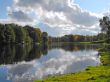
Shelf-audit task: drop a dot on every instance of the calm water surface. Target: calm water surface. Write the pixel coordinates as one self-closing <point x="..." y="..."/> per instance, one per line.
<point x="27" y="63"/>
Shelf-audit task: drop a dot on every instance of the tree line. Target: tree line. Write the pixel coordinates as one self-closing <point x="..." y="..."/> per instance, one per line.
<point x="13" y="33"/>
<point x="78" y="38"/>
<point x="103" y="36"/>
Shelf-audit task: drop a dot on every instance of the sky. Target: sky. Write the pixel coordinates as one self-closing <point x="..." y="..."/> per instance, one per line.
<point x="3" y="8"/>
<point x="57" y="17"/>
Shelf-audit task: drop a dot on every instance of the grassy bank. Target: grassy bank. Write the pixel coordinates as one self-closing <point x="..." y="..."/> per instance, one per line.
<point x="91" y="74"/>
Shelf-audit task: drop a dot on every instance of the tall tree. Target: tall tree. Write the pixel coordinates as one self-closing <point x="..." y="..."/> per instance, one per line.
<point x="2" y="33"/>
<point x="44" y="37"/>
<point x="105" y="26"/>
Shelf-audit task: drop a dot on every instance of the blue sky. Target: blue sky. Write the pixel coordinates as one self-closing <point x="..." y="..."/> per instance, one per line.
<point x="3" y="8"/>
<point x="62" y="16"/>
<point x="94" y="5"/>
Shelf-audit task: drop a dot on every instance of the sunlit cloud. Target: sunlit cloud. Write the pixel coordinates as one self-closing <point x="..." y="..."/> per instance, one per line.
<point x="62" y="16"/>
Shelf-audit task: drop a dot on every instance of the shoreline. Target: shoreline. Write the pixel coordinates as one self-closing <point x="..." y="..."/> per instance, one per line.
<point x="91" y="74"/>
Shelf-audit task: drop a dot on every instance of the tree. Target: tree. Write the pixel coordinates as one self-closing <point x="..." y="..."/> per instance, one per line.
<point x="2" y="33"/>
<point x="9" y="34"/>
<point x="19" y="34"/>
<point x="44" y="37"/>
<point x="32" y="33"/>
<point x="38" y="34"/>
<point x="105" y="26"/>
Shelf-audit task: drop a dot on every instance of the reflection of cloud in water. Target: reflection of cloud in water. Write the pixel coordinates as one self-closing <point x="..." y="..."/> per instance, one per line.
<point x="57" y="61"/>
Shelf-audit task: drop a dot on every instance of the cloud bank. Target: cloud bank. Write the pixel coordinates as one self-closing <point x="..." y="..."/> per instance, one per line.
<point x="60" y="16"/>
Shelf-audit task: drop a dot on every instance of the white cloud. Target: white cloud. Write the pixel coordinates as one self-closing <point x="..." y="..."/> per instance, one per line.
<point x="63" y="16"/>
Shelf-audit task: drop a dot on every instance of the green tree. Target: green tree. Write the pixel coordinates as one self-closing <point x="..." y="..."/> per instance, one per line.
<point x="12" y="33"/>
<point x="44" y="37"/>
<point x="105" y="26"/>
<point x="19" y="34"/>
<point x="38" y="34"/>
<point x="9" y="33"/>
<point x="33" y="35"/>
<point x="2" y="33"/>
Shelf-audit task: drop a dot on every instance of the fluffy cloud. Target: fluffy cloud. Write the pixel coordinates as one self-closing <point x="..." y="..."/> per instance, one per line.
<point x="63" y="16"/>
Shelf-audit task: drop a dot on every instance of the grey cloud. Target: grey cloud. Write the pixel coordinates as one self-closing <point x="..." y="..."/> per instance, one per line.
<point x="81" y="18"/>
<point x="20" y="16"/>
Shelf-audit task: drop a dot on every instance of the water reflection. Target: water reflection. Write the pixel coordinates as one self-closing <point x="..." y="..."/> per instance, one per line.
<point x="73" y="47"/>
<point x="59" y="59"/>
<point x="14" y="53"/>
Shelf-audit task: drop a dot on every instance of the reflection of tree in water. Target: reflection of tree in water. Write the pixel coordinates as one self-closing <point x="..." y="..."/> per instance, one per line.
<point x="16" y="53"/>
<point x="7" y="54"/>
<point x="72" y="47"/>
<point x="36" y="52"/>
<point x="44" y="49"/>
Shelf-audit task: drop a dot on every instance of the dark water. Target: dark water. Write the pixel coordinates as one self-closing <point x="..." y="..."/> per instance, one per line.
<point x="29" y="62"/>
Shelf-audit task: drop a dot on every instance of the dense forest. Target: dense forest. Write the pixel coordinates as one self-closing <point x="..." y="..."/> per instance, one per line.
<point x="12" y="33"/>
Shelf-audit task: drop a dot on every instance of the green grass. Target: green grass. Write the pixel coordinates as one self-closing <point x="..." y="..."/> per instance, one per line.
<point x="105" y="59"/>
<point x="91" y="74"/>
<point x="89" y="42"/>
<point x="105" y="54"/>
<point x="100" y="41"/>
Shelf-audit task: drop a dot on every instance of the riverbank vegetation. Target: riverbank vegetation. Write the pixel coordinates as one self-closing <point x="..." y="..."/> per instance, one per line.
<point x="91" y="74"/>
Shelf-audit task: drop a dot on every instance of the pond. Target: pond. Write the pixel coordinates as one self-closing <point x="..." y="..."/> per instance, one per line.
<point x="29" y="62"/>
